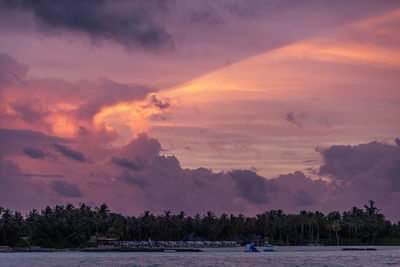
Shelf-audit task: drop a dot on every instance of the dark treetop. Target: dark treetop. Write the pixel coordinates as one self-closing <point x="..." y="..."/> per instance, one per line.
<point x="69" y="226"/>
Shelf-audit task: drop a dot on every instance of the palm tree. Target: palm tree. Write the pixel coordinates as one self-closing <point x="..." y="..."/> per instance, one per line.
<point x="336" y="228"/>
<point x="9" y="227"/>
<point x="303" y="218"/>
<point x="319" y="220"/>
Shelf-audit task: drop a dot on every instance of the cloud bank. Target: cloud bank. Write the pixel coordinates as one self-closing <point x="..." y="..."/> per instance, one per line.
<point x="136" y="177"/>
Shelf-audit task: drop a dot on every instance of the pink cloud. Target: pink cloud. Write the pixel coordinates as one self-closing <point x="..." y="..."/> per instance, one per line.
<point x="281" y="79"/>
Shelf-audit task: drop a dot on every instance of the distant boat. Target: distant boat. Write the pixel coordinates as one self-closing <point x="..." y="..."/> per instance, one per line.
<point x="268" y="247"/>
<point x="355" y="249"/>
<point x="269" y="250"/>
<point x="169" y="250"/>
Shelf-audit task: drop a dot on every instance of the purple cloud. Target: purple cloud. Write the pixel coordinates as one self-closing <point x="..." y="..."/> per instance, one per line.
<point x="138" y="165"/>
<point x="65" y="189"/>
<point x="69" y="153"/>
<point x="18" y="190"/>
<point x="365" y="171"/>
<point x="346" y="162"/>
<point x="250" y="186"/>
<point x="358" y="173"/>
<point x="133" y="179"/>
<point x="15" y="141"/>
<point x="30" y="111"/>
<point x="110" y="93"/>
<point x="34" y="153"/>
<point x="131" y="24"/>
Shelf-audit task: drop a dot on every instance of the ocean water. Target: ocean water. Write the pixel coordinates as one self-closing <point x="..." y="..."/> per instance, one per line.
<point x="285" y="258"/>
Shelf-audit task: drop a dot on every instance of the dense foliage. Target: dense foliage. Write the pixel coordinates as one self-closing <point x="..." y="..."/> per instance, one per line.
<point x="67" y="226"/>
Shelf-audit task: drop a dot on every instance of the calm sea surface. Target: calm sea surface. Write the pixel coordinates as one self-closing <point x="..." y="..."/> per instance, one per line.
<point x="284" y="258"/>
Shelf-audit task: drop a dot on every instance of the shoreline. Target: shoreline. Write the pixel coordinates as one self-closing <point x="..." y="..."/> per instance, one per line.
<point x="302" y="248"/>
<point x="208" y="249"/>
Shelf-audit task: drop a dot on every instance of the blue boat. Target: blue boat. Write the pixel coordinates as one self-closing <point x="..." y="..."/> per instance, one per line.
<point x="250" y="248"/>
<point x="268" y="247"/>
<point x="269" y="250"/>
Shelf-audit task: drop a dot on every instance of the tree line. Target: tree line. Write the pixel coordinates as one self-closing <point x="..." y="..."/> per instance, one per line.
<point x="69" y="226"/>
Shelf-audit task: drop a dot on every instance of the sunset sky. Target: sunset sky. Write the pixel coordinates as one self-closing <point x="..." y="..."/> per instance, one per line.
<point x="229" y="106"/>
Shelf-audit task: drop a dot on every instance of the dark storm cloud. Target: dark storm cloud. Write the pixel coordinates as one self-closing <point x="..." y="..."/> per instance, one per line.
<point x="346" y="162"/>
<point x="69" y="153"/>
<point x="250" y="186"/>
<point x="130" y="23"/>
<point x="34" y="153"/>
<point x="359" y="173"/>
<point x="163" y="183"/>
<point x="139" y="165"/>
<point x="65" y="189"/>
<point x="295" y="190"/>
<point x="365" y="171"/>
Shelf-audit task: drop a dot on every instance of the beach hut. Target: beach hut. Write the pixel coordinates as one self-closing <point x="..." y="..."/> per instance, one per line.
<point x="189" y="244"/>
<point x="106" y="241"/>
<point x="198" y="244"/>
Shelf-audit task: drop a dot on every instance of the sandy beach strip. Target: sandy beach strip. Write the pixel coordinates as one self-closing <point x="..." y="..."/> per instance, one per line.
<point x="300" y="248"/>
